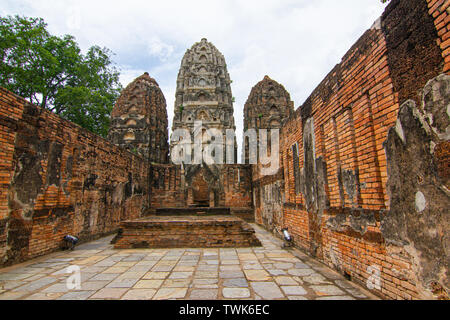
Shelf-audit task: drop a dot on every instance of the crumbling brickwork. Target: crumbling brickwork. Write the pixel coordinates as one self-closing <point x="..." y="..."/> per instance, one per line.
<point x="59" y="179"/>
<point x="267" y="107"/>
<point x="356" y="195"/>
<point x="438" y="9"/>
<point x="175" y="186"/>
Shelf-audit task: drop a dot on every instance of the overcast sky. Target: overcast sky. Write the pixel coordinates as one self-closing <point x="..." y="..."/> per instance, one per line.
<point x="295" y="42"/>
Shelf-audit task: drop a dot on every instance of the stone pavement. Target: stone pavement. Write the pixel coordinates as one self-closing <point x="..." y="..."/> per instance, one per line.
<point x="269" y="272"/>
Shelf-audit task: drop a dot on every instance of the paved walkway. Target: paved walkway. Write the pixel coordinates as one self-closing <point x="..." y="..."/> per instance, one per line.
<point x="200" y="274"/>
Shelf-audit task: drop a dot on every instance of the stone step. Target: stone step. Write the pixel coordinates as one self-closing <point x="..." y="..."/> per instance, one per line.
<point x="186" y="232"/>
<point x="192" y="211"/>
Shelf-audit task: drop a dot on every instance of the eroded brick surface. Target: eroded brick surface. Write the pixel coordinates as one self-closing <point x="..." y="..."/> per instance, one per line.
<point x="59" y="179"/>
<point x="350" y="186"/>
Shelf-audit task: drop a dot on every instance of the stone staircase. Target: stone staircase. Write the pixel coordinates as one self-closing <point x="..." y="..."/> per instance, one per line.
<point x="187" y="228"/>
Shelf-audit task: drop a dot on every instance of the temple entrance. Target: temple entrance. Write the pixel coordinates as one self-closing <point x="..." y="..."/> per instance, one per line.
<point x="200" y="191"/>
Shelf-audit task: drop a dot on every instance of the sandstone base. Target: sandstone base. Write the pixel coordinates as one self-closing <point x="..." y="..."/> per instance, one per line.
<point x="186" y="232"/>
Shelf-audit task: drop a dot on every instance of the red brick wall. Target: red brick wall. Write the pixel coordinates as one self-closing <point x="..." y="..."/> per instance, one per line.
<point x="59" y="179"/>
<point x="438" y="9"/>
<point x="238" y="191"/>
<point x="166" y="187"/>
<point x="352" y="110"/>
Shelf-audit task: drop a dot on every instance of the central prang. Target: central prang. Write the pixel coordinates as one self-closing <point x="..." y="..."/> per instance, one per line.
<point x="204" y="97"/>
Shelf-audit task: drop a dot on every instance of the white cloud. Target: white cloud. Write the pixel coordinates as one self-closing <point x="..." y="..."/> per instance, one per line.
<point x="295" y="42"/>
<point x="160" y="49"/>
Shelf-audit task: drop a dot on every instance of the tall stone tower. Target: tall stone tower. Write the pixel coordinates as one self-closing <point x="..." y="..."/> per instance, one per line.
<point x="204" y="93"/>
<point x="139" y="120"/>
<point x="267" y="106"/>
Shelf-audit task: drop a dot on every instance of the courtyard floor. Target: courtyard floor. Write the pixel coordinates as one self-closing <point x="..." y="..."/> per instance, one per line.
<point x="269" y="273"/>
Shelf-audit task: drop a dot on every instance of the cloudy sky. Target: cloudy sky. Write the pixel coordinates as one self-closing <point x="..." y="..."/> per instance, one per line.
<point x="295" y="42"/>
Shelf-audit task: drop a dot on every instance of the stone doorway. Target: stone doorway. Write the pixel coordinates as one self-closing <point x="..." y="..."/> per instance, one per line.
<point x="200" y="191"/>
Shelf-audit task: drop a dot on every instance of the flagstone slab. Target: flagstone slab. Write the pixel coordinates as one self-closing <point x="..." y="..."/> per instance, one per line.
<point x="184" y="269"/>
<point x="176" y="283"/>
<point x="285" y="281"/>
<point x="116" y="270"/>
<point x="236" y="293"/>
<point x="294" y="290"/>
<point x="122" y="283"/>
<point x="267" y="290"/>
<point x="105" y="277"/>
<point x="210" y="294"/>
<point x="13" y="295"/>
<point x="170" y="293"/>
<point x="327" y="290"/>
<point x="57" y="288"/>
<point x="301" y="272"/>
<point x="316" y="279"/>
<point x="156" y="275"/>
<point x="148" y="284"/>
<point x="35" y="285"/>
<point x="297" y="298"/>
<point x="109" y="293"/>
<point x="257" y="275"/>
<point x="139" y="294"/>
<point x="41" y="296"/>
<point x="231" y="274"/>
<point x="76" y="295"/>
<point x="236" y="283"/>
<point x="181" y="275"/>
<point x="93" y="285"/>
<point x="252" y="265"/>
<point x="207" y="268"/>
<point x="230" y="268"/>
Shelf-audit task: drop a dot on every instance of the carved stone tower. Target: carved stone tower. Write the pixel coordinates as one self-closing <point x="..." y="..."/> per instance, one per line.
<point x="204" y="93"/>
<point x="139" y="120"/>
<point x="267" y="106"/>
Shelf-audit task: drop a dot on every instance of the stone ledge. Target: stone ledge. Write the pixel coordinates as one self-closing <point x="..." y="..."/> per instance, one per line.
<point x="186" y="232"/>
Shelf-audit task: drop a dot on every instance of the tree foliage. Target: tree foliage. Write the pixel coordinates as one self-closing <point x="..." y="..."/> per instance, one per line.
<point x="52" y="72"/>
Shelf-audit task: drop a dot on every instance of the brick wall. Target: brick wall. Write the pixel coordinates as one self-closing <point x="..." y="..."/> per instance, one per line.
<point x="59" y="179"/>
<point x="174" y="187"/>
<point x="438" y="9"/>
<point x="337" y="200"/>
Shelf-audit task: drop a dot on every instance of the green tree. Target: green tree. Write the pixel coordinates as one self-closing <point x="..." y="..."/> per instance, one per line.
<point x="52" y="72"/>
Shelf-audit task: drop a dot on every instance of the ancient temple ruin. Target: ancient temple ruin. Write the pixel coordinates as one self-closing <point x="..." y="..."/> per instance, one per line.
<point x="204" y="94"/>
<point x="139" y="120"/>
<point x="363" y="184"/>
<point x="267" y="107"/>
<point x="210" y="198"/>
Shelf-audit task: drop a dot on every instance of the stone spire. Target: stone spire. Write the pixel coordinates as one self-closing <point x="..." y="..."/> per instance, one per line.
<point x="203" y="91"/>
<point x="139" y="120"/>
<point x="267" y="106"/>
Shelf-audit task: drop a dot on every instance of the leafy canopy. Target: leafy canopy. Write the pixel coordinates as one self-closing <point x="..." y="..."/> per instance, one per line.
<point x="52" y="72"/>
